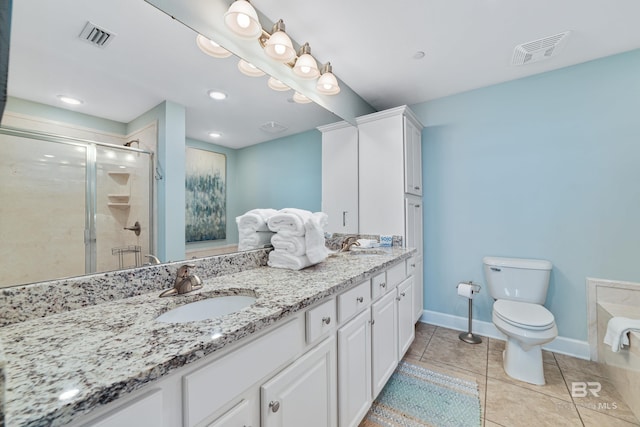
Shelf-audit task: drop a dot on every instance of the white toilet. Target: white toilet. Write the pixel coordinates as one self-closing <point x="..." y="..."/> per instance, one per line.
<point x="519" y="287"/>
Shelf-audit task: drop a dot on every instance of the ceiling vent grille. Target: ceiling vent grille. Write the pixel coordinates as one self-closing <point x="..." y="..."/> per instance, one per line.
<point x="95" y="35"/>
<point x="538" y="50"/>
<point x="273" y="127"/>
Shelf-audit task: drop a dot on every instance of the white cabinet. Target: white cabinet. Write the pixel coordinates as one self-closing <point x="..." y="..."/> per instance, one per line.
<point x="384" y="340"/>
<point x="414" y="233"/>
<point x="406" y="331"/>
<point x="144" y="411"/>
<point x="412" y="158"/>
<point x="243" y="414"/>
<point x="303" y="394"/>
<point x="340" y="177"/>
<point x="354" y="370"/>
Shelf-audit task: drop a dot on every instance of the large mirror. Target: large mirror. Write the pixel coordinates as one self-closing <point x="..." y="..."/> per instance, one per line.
<point x="149" y="60"/>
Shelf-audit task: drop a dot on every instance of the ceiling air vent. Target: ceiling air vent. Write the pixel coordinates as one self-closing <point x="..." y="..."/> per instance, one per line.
<point x="273" y="127"/>
<point x="538" y="50"/>
<point x="95" y="35"/>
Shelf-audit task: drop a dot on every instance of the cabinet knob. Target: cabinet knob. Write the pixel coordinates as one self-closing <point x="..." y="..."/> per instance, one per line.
<point x="274" y="406"/>
<point x="373" y="322"/>
<point x="402" y="294"/>
<point x="360" y="299"/>
<point x="413" y="265"/>
<point x="326" y="320"/>
<point x="417" y="206"/>
<point x="416" y="187"/>
<point x="398" y="298"/>
<point x="383" y="285"/>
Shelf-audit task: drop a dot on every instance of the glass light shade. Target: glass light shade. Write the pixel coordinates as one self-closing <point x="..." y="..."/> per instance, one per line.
<point x="279" y="47"/>
<point x="249" y="69"/>
<point x="276" y="84"/>
<point x="211" y="48"/>
<point x="242" y="19"/>
<point x="300" y="98"/>
<point x="328" y="84"/>
<point x="306" y="67"/>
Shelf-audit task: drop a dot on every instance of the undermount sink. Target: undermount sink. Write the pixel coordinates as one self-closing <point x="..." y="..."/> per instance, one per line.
<point x="207" y="309"/>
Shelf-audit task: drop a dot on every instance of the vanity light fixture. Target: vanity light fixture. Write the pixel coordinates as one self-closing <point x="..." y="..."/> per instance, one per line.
<point x="242" y="19"/>
<point x="249" y="69"/>
<point x="300" y="98"/>
<point x="70" y="100"/>
<point x="211" y="48"/>
<point x="217" y="95"/>
<point x="279" y="46"/>
<point x="306" y="65"/>
<point x="327" y="83"/>
<point x="276" y="84"/>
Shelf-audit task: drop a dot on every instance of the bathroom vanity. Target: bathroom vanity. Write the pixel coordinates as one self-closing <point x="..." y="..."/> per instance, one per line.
<point x="315" y="349"/>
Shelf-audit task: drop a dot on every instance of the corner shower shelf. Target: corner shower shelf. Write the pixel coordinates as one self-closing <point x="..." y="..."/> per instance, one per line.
<point x="120" y="201"/>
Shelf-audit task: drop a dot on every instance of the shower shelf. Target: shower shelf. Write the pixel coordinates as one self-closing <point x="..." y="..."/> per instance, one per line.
<point x="118" y="205"/>
<point x="120" y="201"/>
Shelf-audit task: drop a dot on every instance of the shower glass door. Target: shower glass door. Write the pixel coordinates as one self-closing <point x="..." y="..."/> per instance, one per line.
<point x="70" y="207"/>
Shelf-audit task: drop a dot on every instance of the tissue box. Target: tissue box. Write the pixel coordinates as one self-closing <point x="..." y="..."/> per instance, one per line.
<point x="386" y="240"/>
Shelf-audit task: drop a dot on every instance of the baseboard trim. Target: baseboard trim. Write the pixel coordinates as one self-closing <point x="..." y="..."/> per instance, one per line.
<point x="562" y="345"/>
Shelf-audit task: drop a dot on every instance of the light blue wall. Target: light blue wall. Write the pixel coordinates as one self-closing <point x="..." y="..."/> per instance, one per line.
<point x="281" y="173"/>
<point x="542" y="167"/>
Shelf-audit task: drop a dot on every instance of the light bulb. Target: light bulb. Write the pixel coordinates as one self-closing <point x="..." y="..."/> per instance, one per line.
<point x="305" y="69"/>
<point x="243" y="20"/>
<point x="327" y="86"/>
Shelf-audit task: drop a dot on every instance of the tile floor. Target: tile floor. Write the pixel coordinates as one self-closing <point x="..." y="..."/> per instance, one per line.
<point x="510" y="403"/>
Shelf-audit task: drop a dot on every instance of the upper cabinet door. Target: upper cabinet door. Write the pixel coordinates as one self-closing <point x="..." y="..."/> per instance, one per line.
<point x="412" y="159"/>
<point x="340" y="178"/>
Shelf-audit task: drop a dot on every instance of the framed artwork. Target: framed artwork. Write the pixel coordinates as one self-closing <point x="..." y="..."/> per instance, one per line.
<point x="206" y="195"/>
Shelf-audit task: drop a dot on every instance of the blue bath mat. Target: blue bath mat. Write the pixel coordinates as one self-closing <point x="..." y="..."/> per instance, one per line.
<point x="417" y="397"/>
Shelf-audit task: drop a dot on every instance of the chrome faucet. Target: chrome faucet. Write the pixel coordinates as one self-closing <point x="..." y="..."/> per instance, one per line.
<point x="184" y="283"/>
<point x="349" y="242"/>
<point x="152" y="259"/>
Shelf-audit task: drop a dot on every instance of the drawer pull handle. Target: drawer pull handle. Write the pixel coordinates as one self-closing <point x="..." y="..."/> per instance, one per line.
<point x="360" y="299"/>
<point x="274" y="406"/>
<point x="383" y="285"/>
<point x="326" y="320"/>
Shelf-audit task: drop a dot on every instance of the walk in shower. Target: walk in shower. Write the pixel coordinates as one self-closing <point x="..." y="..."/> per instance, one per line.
<point x="70" y="206"/>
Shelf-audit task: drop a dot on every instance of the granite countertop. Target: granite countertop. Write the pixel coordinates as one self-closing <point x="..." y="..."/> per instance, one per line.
<point x="103" y="352"/>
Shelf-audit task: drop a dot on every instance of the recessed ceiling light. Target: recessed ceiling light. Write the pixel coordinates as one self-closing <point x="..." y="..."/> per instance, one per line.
<point x="69" y="100"/>
<point x="215" y="134"/>
<point x="51" y="156"/>
<point x="217" y="95"/>
<point x="419" y="55"/>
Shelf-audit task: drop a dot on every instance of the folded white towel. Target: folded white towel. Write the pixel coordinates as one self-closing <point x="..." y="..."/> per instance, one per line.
<point x="289" y="221"/>
<point x="254" y="220"/>
<point x="314" y="236"/>
<point x="294" y="245"/>
<point x="617" y="332"/>
<point x="254" y="240"/>
<point x="281" y="259"/>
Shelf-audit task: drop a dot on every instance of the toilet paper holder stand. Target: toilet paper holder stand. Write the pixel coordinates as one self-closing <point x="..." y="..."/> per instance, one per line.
<point x="468" y="336"/>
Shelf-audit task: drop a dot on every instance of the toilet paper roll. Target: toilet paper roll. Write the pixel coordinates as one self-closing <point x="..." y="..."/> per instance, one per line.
<point x="465" y="290"/>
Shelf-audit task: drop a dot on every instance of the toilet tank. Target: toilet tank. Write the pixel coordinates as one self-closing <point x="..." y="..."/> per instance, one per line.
<point x="517" y="279"/>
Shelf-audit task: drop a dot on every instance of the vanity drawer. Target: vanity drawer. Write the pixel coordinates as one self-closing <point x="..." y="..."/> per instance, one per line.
<point x="378" y="285"/>
<point x="396" y="274"/>
<point x="354" y="300"/>
<point x="321" y="320"/>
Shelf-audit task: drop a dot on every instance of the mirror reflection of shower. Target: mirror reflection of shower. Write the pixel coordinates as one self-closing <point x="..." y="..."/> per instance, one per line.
<point x="68" y="204"/>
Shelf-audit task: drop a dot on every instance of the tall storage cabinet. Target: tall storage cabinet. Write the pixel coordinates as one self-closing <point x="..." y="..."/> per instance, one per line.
<point x="340" y="177"/>
<point x="390" y="182"/>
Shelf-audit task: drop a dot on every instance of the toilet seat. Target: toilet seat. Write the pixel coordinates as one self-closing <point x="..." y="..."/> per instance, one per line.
<point x="524" y="315"/>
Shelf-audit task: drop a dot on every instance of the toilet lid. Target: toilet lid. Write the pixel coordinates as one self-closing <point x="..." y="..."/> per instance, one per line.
<point x="523" y="314"/>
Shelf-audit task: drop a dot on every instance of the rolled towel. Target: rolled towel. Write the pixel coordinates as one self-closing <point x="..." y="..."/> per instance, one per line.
<point x="281" y="259"/>
<point x="289" y="220"/>
<point x="255" y="220"/>
<point x="254" y="240"/>
<point x="294" y="245"/>
<point x="314" y="237"/>
<point x="617" y="332"/>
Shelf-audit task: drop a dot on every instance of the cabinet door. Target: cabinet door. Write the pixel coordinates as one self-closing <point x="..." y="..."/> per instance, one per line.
<point x="303" y="394"/>
<point x="418" y="288"/>
<point x="340" y="178"/>
<point x="406" y="331"/>
<point x="413" y="223"/>
<point x="413" y="159"/>
<point x="244" y="414"/>
<point x="384" y="341"/>
<point x="354" y="370"/>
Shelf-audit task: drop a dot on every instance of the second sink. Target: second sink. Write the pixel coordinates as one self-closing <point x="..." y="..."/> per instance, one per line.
<point x="206" y="309"/>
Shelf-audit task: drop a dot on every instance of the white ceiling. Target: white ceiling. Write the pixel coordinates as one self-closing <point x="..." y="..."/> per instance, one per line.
<point x="468" y="44"/>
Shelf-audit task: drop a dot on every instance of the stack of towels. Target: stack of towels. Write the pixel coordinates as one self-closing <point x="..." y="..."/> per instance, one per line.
<point x="618" y="329"/>
<point x="298" y="241"/>
<point x="253" y="231"/>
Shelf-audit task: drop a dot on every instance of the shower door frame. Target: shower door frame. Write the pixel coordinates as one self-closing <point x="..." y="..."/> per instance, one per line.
<point x="91" y="203"/>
